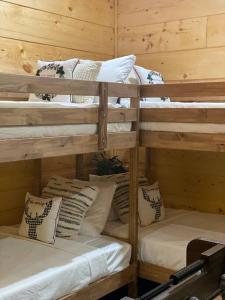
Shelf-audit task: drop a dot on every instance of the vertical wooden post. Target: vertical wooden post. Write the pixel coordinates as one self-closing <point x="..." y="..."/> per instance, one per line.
<point x="148" y="164"/>
<point x="133" y="198"/>
<point x="103" y="116"/>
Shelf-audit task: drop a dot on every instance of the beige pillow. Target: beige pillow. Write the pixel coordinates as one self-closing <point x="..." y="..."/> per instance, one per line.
<point x="96" y="217"/>
<point x="121" y="196"/>
<point x="40" y="218"/>
<point x="77" y="198"/>
<point x="150" y="204"/>
<point x="86" y="70"/>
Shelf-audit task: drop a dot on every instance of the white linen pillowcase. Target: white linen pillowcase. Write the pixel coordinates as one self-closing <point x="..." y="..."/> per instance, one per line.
<point x="150" y="204"/>
<point x="40" y="218"/>
<point x="94" y="222"/>
<point x="54" y="69"/>
<point x="115" y="70"/>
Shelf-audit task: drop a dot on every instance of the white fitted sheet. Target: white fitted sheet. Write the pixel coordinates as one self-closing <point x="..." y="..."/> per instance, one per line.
<point x="34" y="270"/>
<point x="164" y="243"/>
<point x="182" y="127"/>
<point x="16" y="132"/>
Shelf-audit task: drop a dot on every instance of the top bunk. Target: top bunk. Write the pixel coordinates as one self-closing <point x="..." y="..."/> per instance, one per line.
<point x="184" y="125"/>
<point x="32" y="130"/>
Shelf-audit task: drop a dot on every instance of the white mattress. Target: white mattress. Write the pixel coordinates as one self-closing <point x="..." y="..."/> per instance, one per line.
<point x="164" y="243"/>
<point x="34" y="270"/>
<point x="55" y="130"/>
<point x="182" y="127"/>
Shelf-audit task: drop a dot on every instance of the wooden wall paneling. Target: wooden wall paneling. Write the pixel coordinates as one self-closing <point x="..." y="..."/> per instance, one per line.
<point x="99" y="12"/>
<point x="176" y="35"/>
<point x="136" y="13"/>
<point x="216" y="31"/>
<point x="20" y="57"/>
<point x="21" y="23"/>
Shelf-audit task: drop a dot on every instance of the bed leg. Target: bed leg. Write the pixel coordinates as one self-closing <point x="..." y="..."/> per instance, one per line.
<point x="132" y="289"/>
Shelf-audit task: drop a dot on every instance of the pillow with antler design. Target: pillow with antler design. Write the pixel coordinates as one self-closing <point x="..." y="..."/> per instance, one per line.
<point x="150" y="204"/>
<point x="40" y="218"/>
<point x="54" y="69"/>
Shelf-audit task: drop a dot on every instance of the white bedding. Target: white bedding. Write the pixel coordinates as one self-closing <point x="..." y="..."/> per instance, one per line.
<point x="55" y="130"/>
<point x="182" y="127"/>
<point x="34" y="270"/>
<point x="164" y="243"/>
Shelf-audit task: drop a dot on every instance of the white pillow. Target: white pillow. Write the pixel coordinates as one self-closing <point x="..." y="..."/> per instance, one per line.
<point x="150" y="204"/>
<point x="77" y="198"/>
<point x="116" y="70"/>
<point x="54" y="69"/>
<point x="121" y="196"/>
<point x="150" y="77"/>
<point x="40" y="218"/>
<point x="96" y="217"/>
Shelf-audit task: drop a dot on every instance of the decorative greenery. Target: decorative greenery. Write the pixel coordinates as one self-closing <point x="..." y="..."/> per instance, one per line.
<point x="108" y="166"/>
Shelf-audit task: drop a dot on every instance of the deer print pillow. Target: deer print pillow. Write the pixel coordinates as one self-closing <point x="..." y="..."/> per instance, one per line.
<point x="150" y="204"/>
<point x="54" y="69"/>
<point x="40" y="218"/>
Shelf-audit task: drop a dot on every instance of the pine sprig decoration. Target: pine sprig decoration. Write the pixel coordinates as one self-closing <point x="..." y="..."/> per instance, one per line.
<point x="108" y="166"/>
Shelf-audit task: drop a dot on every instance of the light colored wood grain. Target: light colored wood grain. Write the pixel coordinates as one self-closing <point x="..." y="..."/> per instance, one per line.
<point x="60" y="116"/>
<point x="192" y="64"/>
<point x="184" y="115"/>
<point x="183" y="141"/>
<point x="94" y="11"/>
<point x="21" y="23"/>
<point x="176" y="35"/>
<point x="216" y="31"/>
<point x="58" y="146"/>
<point x="20" y="57"/>
<point x="136" y="13"/>
<point x="153" y="272"/>
<point x="35" y="84"/>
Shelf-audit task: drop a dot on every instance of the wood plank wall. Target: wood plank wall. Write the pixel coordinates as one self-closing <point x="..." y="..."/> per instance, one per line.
<point x="184" y="40"/>
<point x="47" y="30"/>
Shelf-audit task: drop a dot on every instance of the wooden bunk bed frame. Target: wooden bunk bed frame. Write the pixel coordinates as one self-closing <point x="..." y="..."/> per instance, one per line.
<point x="178" y="140"/>
<point x="38" y="148"/>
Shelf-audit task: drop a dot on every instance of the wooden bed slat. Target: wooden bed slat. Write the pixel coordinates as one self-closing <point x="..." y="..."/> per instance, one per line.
<point x="153" y="272"/>
<point x="24" y="149"/>
<point x="10" y="83"/>
<point x="183" y="115"/>
<point x="183" y="141"/>
<point x="104" y="286"/>
<point x="60" y="116"/>
<point x="197" y="89"/>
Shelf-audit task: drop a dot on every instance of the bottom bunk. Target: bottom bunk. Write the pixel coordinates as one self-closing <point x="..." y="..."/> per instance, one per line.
<point x="162" y="246"/>
<point x="33" y="269"/>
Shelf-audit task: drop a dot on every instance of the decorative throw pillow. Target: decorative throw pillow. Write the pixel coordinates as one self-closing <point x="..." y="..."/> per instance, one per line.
<point x="86" y="70"/>
<point x="150" y="77"/>
<point x="121" y="196"/>
<point x="150" y="204"/>
<point x="96" y="217"/>
<point x="77" y="198"/>
<point x="116" y="70"/>
<point x="54" y="69"/>
<point x="40" y="218"/>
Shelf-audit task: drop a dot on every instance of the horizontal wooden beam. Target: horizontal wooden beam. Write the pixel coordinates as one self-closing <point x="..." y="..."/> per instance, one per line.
<point x="10" y="83"/>
<point x="197" y="89"/>
<point x="34" y="148"/>
<point x="183" y="141"/>
<point x="104" y="286"/>
<point x="153" y="272"/>
<point x="183" y="115"/>
<point x="60" y="116"/>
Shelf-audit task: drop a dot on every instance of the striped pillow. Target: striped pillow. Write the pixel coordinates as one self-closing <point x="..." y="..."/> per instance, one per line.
<point x="121" y="196"/>
<point x="76" y="200"/>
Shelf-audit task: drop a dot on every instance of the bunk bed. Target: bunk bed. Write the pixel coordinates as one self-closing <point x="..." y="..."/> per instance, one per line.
<point x="19" y="141"/>
<point x="186" y="126"/>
